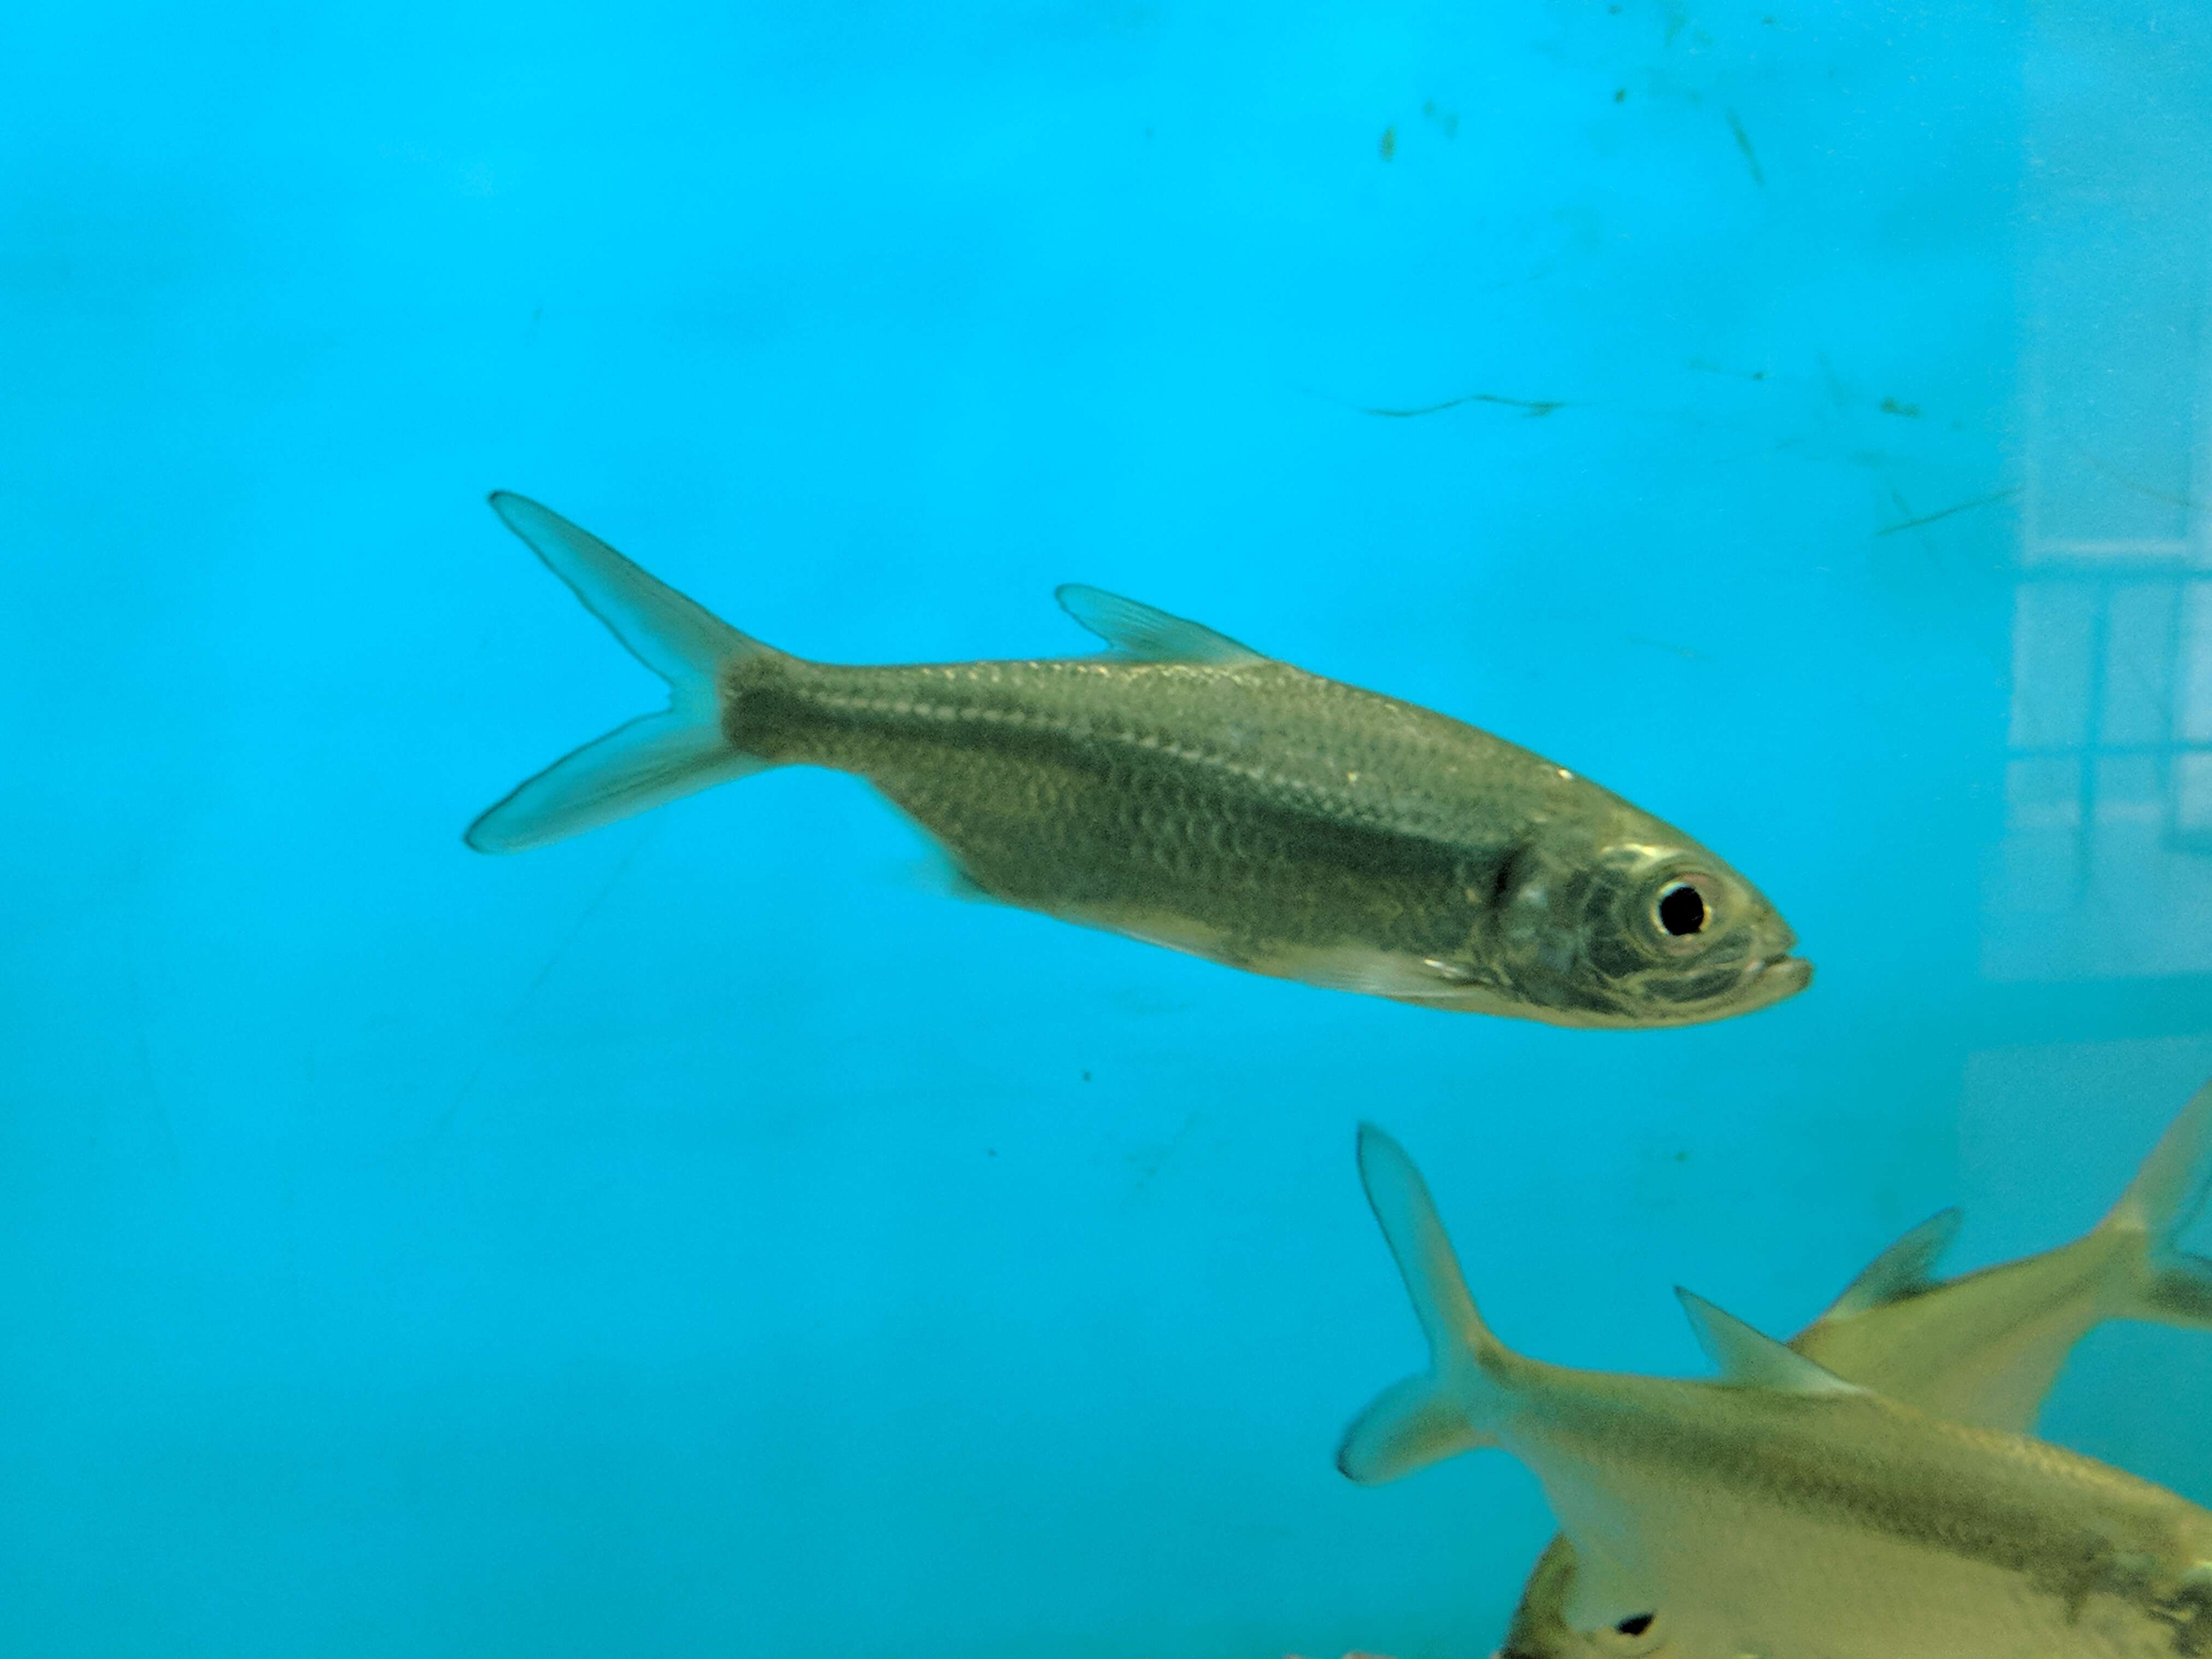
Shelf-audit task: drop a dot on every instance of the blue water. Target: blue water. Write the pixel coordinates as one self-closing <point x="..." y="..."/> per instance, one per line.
<point x="701" y="1237"/>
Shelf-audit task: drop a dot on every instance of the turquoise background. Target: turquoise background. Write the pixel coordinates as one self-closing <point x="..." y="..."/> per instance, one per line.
<point x="702" y="1237"/>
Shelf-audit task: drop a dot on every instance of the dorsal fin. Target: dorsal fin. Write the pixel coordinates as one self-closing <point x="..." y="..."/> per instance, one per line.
<point x="1906" y="1268"/>
<point x="1750" y="1359"/>
<point x="1145" y="634"/>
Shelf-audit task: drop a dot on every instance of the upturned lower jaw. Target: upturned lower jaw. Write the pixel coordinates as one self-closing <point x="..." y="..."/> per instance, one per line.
<point x="1778" y="976"/>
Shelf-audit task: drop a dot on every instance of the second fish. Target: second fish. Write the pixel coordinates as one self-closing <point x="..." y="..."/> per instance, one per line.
<point x="1182" y="789"/>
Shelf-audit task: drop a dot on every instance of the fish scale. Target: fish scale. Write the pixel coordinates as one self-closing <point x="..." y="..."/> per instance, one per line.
<point x="1108" y="807"/>
<point x="1297" y="742"/>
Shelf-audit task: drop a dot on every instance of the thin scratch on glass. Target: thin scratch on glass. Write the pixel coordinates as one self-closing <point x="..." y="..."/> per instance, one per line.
<point x="544" y="972"/>
<point x="2006" y="494"/>
<point x="1535" y="407"/>
<point x="2168" y="497"/>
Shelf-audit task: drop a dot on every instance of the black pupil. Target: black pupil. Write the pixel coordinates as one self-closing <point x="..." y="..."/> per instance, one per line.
<point x="1681" y="912"/>
<point x="1636" y="1623"/>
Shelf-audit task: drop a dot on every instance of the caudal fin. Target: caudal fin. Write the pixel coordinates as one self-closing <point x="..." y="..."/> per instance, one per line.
<point x="2167" y="1285"/>
<point x="655" y="758"/>
<point x="1452" y="1407"/>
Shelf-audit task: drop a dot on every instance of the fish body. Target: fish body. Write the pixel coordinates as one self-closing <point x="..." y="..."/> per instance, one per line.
<point x="1984" y="1348"/>
<point x="1183" y="789"/>
<point x="1782" y="1512"/>
<point x="1755" y="1521"/>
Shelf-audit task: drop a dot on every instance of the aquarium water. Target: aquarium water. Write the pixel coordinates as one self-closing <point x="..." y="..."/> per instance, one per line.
<point x="710" y="1234"/>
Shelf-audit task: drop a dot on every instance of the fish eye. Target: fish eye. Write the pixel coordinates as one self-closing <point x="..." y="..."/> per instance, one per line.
<point x="1681" y="911"/>
<point x="1636" y="1634"/>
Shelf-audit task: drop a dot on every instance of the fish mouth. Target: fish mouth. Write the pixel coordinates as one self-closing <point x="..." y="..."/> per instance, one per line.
<point x="1771" y="978"/>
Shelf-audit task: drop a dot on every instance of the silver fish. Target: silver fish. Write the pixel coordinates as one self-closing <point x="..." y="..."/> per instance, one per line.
<point x="1782" y="1512"/>
<point x="1984" y="1348"/>
<point x="1183" y="789"/>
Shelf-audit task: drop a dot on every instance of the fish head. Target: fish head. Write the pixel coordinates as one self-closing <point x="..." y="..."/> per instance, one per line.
<point x="1642" y="927"/>
<point x="1540" y="1629"/>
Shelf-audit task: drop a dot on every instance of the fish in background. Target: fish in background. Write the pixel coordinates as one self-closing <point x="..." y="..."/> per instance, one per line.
<point x="1183" y="789"/>
<point x="1784" y="1512"/>
<point x="1984" y="1348"/>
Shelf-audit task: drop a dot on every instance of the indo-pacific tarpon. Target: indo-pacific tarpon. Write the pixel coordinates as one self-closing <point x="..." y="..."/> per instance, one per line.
<point x="1184" y="789"/>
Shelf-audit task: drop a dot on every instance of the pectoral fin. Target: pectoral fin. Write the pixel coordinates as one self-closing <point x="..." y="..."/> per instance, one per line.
<point x="1376" y="974"/>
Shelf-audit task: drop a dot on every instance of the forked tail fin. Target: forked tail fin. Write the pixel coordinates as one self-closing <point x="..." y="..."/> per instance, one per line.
<point x="656" y="758"/>
<point x="1452" y="1406"/>
<point x="2173" y="1287"/>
